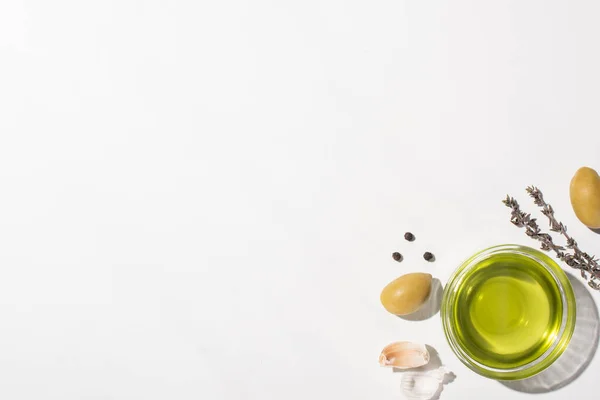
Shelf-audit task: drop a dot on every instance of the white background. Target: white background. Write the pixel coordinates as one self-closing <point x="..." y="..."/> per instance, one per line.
<point x="199" y="199"/>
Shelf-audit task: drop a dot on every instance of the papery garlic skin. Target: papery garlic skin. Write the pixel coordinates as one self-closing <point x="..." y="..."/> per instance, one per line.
<point x="404" y="355"/>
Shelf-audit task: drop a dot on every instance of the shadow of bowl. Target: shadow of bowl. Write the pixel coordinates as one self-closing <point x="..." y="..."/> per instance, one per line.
<point x="579" y="353"/>
<point x="431" y="306"/>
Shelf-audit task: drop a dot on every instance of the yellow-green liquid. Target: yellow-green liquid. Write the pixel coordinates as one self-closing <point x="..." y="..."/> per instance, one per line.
<point x="508" y="311"/>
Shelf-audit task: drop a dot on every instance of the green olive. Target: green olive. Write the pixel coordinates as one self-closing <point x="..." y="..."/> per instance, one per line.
<point x="406" y="294"/>
<point x="585" y="196"/>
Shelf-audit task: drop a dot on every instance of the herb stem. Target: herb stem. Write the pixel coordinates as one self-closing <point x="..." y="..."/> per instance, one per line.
<point x="572" y="255"/>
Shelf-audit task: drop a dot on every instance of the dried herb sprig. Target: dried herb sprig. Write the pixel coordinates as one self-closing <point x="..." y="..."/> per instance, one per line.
<point x="578" y="260"/>
<point x="579" y="257"/>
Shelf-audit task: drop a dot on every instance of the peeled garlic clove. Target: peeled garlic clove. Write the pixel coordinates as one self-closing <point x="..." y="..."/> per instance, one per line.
<point x="404" y="355"/>
<point x="423" y="385"/>
<point x="420" y="386"/>
<point x="439" y="374"/>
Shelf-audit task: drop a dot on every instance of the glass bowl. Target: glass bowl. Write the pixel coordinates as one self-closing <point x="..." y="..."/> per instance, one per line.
<point x="508" y="312"/>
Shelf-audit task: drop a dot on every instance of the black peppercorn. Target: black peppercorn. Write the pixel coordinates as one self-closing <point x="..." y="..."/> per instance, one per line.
<point x="409" y="236"/>
<point x="397" y="256"/>
<point x="428" y="256"/>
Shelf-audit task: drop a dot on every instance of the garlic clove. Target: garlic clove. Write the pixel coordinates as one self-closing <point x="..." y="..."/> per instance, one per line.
<point x="404" y="355"/>
<point x="425" y="385"/>
<point x="440" y="373"/>
<point x="420" y="386"/>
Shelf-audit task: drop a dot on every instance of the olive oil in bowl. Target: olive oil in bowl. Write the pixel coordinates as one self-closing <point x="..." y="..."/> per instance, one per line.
<point x="508" y="312"/>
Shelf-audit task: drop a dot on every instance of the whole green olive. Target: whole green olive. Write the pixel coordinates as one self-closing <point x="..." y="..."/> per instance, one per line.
<point x="585" y="196"/>
<point x="406" y="294"/>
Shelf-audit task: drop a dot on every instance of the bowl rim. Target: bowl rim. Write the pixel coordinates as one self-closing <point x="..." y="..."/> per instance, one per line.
<point x="567" y="321"/>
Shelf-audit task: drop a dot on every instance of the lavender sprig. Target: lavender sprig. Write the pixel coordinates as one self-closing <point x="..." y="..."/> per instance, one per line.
<point x="578" y="260"/>
<point x="583" y="260"/>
